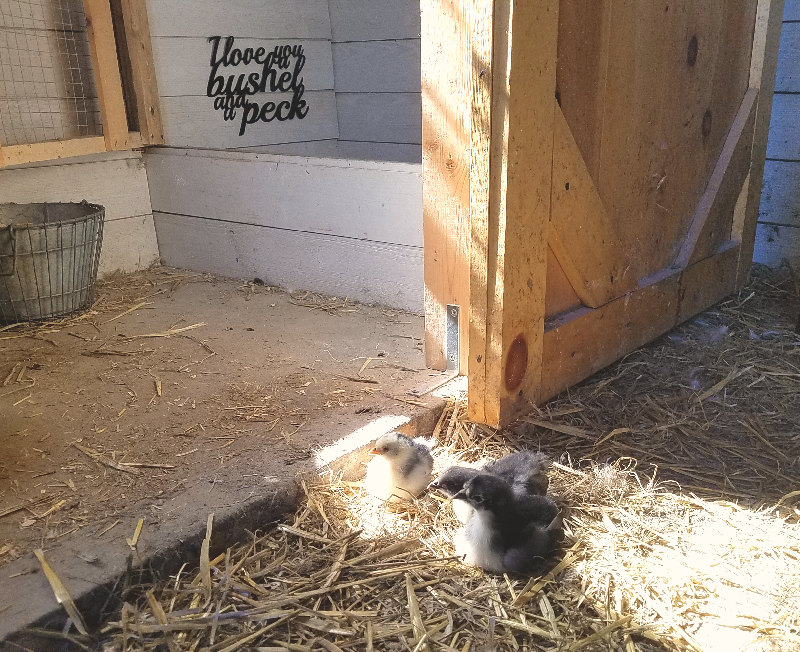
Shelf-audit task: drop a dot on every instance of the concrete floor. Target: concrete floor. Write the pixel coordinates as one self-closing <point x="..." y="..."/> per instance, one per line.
<point x="120" y="415"/>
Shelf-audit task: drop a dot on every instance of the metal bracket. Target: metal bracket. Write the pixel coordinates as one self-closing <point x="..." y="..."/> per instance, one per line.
<point x="451" y="338"/>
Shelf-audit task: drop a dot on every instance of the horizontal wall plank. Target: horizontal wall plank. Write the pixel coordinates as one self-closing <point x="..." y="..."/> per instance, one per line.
<point x="323" y="148"/>
<point x="787" y="79"/>
<point x="120" y="185"/>
<point x="400" y="152"/>
<point x="774" y="244"/>
<point x="193" y="122"/>
<point x="380" y="117"/>
<point x="365" y="271"/>
<point x="378" y="66"/>
<point x="283" y="19"/>
<point x="784" y="130"/>
<point x="371" y="20"/>
<point x="791" y="10"/>
<point x="129" y="245"/>
<point x="183" y="64"/>
<point x="365" y="201"/>
<point x="780" y="194"/>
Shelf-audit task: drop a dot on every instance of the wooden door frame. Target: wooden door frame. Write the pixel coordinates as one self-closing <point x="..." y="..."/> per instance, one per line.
<point x="498" y="277"/>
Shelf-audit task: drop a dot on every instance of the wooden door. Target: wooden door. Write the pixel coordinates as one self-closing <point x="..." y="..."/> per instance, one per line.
<point x="607" y="174"/>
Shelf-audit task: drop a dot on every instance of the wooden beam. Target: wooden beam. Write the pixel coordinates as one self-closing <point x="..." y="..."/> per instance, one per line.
<point x="633" y="320"/>
<point x="445" y="170"/>
<point x="581" y="234"/>
<point x="50" y="150"/>
<point x="712" y="220"/>
<point x="482" y="21"/>
<point x="763" y="67"/>
<point x="140" y="49"/>
<point x="560" y="296"/>
<point x="105" y="65"/>
<point x="521" y="165"/>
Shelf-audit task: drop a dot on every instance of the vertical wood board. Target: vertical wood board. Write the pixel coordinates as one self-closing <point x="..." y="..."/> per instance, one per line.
<point x="446" y="93"/>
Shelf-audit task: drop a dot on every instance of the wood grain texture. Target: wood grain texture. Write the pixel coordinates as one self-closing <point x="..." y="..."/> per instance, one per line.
<point x="377" y="66"/>
<point x="632" y="320"/>
<point x="363" y="201"/>
<point x="446" y="95"/>
<point x="53" y="149"/>
<point x="713" y="217"/>
<point x="380" y="117"/>
<point x="361" y="270"/>
<point x="281" y="19"/>
<point x="559" y="296"/>
<point x="143" y="72"/>
<point x="105" y="65"/>
<point x="784" y="131"/>
<point x="679" y="102"/>
<point x="581" y="235"/>
<point x="182" y="64"/>
<point x="482" y="73"/>
<point x="523" y="160"/>
<point x="787" y="79"/>
<point x="776" y="244"/>
<point x="765" y="63"/>
<point x="193" y="122"/>
<point x="371" y="20"/>
<point x="780" y="194"/>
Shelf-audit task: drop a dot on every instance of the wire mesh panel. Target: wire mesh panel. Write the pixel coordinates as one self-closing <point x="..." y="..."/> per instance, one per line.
<point x="47" y="89"/>
<point x="48" y="259"/>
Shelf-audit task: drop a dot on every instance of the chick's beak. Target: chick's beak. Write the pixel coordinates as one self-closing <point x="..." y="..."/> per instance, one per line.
<point x="374" y="451"/>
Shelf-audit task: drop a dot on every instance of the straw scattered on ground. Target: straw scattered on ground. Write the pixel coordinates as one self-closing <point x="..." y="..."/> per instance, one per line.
<point x="677" y="470"/>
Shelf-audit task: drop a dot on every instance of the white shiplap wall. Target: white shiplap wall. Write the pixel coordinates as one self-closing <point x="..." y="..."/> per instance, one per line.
<point x="778" y="234"/>
<point x="116" y="180"/>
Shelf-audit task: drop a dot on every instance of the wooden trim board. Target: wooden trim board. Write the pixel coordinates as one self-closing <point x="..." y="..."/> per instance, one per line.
<point x="105" y="65"/>
<point x="53" y="149"/>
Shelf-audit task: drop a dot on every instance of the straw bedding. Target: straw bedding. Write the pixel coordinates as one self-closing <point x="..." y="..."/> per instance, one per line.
<point x="677" y="471"/>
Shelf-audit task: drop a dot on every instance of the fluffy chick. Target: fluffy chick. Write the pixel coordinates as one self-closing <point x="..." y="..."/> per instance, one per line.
<point x="525" y="471"/>
<point x="507" y="533"/>
<point x="450" y="482"/>
<point x="400" y="469"/>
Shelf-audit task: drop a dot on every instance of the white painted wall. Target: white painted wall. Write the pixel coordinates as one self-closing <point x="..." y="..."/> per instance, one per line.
<point x="778" y="234"/>
<point x="117" y="181"/>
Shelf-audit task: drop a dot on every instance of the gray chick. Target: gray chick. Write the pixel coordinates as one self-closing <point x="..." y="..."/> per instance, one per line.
<point x="449" y="483"/>
<point x="507" y="533"/>
<point x="525" y="471"/>
<point x="400" y="469"/>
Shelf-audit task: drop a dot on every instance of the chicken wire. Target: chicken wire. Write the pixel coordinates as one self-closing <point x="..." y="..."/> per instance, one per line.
<point x="47" y="89"/>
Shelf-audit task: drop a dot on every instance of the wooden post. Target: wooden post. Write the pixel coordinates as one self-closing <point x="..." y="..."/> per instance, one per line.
<point x="140" y="49"/>
<point x="445" y="170"/>
<point x="106" y="73"/>
<point x="763" y="67"/>
<point x="514" y="240"/>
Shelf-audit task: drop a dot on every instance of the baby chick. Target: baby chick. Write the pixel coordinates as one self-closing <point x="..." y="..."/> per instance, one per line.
<point x="525" y="471"/>
<point x="507" y="533"/>
<point x="449" y="483"/>
<point x="400" y="469"/>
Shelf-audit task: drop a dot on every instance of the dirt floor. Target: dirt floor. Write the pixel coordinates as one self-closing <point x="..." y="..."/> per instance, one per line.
<point x="174" y="379"/>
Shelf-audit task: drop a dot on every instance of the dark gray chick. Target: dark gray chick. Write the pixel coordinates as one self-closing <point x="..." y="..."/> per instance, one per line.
<point x="450" y="482"/>
<point x="507" y="533"/>
<point x="525" y="471"/>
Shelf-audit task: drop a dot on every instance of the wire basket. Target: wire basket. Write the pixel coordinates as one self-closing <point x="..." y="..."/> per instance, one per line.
<point x="48" y="259"/>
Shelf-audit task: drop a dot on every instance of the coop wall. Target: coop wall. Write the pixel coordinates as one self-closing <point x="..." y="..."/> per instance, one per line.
<point x="117" y="181"/>
<point x="331" y="202"/>
<point x="778" y="235"/>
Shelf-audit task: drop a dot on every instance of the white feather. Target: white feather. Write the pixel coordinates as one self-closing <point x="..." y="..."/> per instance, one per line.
<point x="473" y="542"/>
